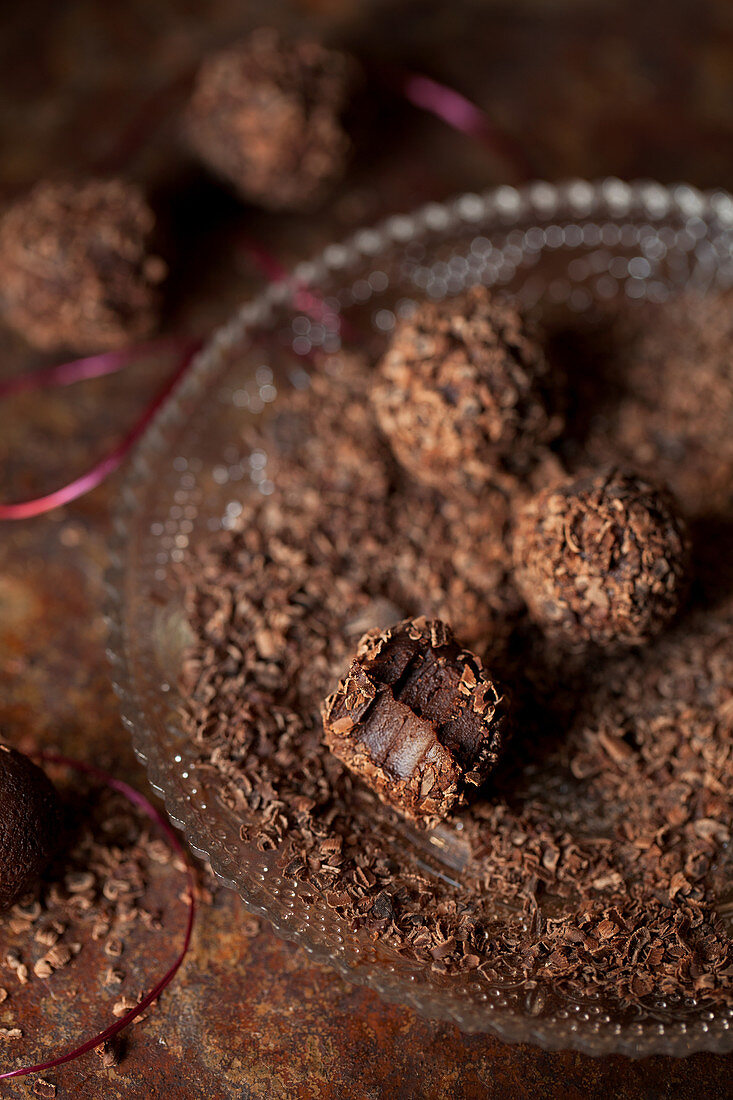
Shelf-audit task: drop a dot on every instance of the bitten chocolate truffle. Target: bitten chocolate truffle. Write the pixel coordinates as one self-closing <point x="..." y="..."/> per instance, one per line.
<point x="602" y="560"/>
<point x="75" y="270"/>
<point x="265" y="115"/>
<point x="418" y="718"/>
<point x="465" y="387"/>
<point x="29" y="824"/>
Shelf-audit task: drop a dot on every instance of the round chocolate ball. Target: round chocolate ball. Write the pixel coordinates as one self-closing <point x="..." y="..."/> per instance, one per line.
<point x="464" y="390"/>
<point x="265" y="116"/>
<point x="603" y="560"/>
<point x="30" y="818"/>
<point x="75" y="268"/>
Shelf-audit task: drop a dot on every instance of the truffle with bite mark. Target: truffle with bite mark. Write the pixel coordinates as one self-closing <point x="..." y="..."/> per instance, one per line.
<point x="465" y="389"/>
<point x="603" y="560"/>
<point x="30" y="818"/>
<point x="265" y="115"/>
<point x="418" y="718"/>
<point x="75" y="266"/>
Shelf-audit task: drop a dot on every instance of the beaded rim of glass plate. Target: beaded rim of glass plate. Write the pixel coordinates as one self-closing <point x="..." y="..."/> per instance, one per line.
<point x="554" y="217"/>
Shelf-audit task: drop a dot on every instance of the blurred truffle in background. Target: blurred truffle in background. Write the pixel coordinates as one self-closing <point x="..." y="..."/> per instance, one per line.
<point x="75" y="266"/>
<point x="465" y="390"/>
<point x="603" y="560"/>
<point x="265" y="116"/>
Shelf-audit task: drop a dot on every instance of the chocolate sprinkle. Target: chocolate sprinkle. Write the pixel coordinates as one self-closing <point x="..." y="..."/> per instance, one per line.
<point x="596" y="864"/>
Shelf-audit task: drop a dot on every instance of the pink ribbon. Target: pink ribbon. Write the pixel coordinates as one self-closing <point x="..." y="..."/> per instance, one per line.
<point x="463" y="115"/>
<point x="93" y="367"/>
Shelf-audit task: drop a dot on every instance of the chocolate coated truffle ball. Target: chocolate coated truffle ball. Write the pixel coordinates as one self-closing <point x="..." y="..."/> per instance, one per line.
<point x="75" y="271"/>
<point x="464" y="388"/>
<point x="265" y="116"/>
<point x="418" y="718"/>
<point x="602" y="560"/>
<point x="29" y="824"/>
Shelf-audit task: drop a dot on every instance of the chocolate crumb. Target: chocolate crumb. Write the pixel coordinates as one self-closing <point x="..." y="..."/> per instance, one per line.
<point x="122" y="1006"/>
<point x="42" y="968"/>
<point x="250" y="925"/>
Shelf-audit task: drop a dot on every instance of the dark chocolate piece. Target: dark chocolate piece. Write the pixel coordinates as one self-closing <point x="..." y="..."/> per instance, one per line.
<point x="29" y="824"/>
<point x="75" y="270"/>
<point x="265" y="116"/>
<point x="602" y="560"/>
<point x="417" y="717"/>
<point x="464" y="389"/>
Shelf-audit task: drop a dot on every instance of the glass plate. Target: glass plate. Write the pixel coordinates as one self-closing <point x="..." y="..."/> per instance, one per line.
<point x="554" y="247"/>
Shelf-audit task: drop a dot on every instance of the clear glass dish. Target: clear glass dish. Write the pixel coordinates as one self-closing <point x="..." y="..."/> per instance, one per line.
<point x="559" y="247"/>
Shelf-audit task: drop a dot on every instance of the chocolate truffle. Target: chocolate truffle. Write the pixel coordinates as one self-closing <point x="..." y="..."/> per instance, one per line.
<point x="602" y="560"/>
<point x="464" y="388"/>
<point x="75" y="271"/>
<point x="29" y="824"/>
<point x="418" y="718"/>
<point x="265" y="116"/>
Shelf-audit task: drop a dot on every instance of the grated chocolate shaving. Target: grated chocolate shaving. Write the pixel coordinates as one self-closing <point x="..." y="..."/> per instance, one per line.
<point x="594" y="862"/>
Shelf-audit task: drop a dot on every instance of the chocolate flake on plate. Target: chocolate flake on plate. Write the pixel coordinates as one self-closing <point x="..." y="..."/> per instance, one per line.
<point x="598" y="864"/>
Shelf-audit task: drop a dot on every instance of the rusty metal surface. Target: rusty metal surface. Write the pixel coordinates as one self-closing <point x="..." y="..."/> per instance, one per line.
<point x="590" y="89"/>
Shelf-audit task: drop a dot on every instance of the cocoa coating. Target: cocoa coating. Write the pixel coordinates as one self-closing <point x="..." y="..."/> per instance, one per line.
<point x="418" y="718"/>
<point x="265" y="115"/>
<point x="29" y="824"/>
<point x="75" y="267"/>
<point x="465" y="388"/>
<point x="602" y="560"/>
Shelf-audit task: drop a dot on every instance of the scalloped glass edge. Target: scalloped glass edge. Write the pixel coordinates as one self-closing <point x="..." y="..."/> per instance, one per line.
<point x="612" y="197"/>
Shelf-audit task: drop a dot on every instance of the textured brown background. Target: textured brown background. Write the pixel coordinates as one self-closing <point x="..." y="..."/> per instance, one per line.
<point x="588" y="88"/>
